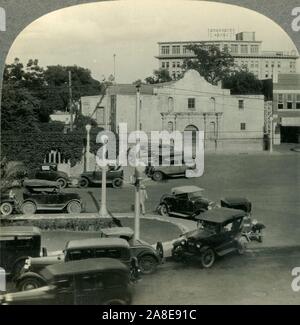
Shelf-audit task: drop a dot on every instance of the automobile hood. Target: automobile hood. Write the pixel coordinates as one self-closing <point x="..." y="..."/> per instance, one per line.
<point x="196" y="234"/>
<point x="47" y="260"/>
<point x="28" y="295"/>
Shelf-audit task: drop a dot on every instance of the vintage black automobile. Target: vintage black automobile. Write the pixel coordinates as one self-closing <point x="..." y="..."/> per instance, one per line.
<point x="47" y="195"/>
<point x="82" y="249"/>
<point x="147" y="256"/>
<point x="8" y="203"/>
<point x="219" y="233"/>
<point x="16" y="244"/>
<point x="184" y="201"/>
<point x="114" y="176"/>
<point x="98" y="281"/>
<point x="49" y="172"/>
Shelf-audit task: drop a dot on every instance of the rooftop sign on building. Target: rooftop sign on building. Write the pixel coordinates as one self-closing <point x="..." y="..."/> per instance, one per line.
<point x="218" y="34"/>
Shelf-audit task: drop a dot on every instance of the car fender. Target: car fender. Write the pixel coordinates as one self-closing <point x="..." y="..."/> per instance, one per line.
<point x="29" y="200"/>
<point x="73" y="200"/>
<point x="29" y="275"/>
<point x="148" y="253"/>
<point x="204" y="248"/>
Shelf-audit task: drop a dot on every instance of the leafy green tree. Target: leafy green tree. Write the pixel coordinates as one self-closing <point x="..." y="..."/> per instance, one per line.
<point x="159" y="76"/>
<point x="212" y="63"/>
<point x="243" y="82"/>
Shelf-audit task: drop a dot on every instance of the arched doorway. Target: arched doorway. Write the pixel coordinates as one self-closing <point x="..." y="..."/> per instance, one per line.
<point x="190" y="138"/>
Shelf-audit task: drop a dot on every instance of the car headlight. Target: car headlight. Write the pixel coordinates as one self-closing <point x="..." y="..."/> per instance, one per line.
<point x="183" y="242"/>
<point x="198" y="245"/>
<point x="27" y="264"/>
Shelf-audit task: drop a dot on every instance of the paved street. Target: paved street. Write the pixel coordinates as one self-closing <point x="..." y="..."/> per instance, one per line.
<point x="263" y="277"/>
<point x="269" y="181"/>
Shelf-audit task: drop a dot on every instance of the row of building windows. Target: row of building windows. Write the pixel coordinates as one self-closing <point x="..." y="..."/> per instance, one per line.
<point x="288" y="101"/>
<point x="174" y="64"/>
<point x="191" y="103"/>
<point x="233" y="48"/>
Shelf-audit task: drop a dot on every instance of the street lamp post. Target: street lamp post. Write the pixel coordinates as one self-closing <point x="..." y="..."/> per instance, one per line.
<point x="271" y="134"/>
<point x="103" y="210"/>
<point x="137" y="173"/>
<point x="87" y="150"/>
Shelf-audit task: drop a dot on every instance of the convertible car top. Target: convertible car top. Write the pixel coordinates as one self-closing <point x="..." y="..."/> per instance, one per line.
<point x="186" y="189"/>
<point x="221" y="215"/>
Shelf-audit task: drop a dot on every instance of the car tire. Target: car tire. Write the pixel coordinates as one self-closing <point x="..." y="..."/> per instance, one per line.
<point x="74" y="207"/>
<point x="115" y="302"/>
<point x="241" y="245"/>
<point x="84" y="182"/>
<point x="28" y="208"/>
<point x="158" y="176"/>
<point x="208" y="258"/>
<point x="163" y="210"/>
<point x="147" y="264"/>
<point x="62" y="182"/>
<point x="117" y="183"/>
<point x="160" y="249"/>
<point x="6" y="209"/>
<point x="29" y="284"/>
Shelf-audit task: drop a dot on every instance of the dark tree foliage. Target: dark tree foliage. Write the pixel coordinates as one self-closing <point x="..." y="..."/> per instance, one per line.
<point x="212" y="63"/>
<point x="243" y="82"/>
<point x="159" y="76"/>
<point x="29" y="96"/>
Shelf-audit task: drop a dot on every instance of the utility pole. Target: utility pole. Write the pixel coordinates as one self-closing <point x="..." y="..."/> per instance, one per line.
<point x="137" y="172"/>
<point x="114" y="68"/>
<point x="70" y="101"/>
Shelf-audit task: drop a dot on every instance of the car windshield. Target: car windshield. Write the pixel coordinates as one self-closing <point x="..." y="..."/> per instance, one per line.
<point x="195" y="194"/>
<point x="209" y="227"/>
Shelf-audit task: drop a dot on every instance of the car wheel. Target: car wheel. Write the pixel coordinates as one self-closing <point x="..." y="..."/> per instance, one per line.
<point x="157" y="176"/>
<point x="62" y="182"/>
<point x="118" y="182"/>
<point x="28" y="208"/>
<point x="147" y="264"/>
<point x="6" y="209"/>
<point x="83" y="182"/>
<point x="164" y="211"/>
<point x="74" y="207"/>
<point x="242" y="245"/>
<point x="116" y="302"/>
<point x="160" y="249"/>
<point x="29" y="284"/>
<point x="208" y="258"/>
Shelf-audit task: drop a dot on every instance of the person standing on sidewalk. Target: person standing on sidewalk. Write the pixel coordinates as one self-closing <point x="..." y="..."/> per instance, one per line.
<point x="143" y="198"/>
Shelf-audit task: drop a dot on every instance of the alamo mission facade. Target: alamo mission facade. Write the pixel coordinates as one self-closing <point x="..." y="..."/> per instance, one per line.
<point x="230" y="122"/>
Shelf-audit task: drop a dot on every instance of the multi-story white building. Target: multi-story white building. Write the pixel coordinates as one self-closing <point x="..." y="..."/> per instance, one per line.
<point x="245" y="49"/>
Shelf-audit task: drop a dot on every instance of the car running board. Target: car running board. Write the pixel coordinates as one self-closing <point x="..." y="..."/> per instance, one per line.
<point x="180" y="214"/>
<point x="226" y="251"/>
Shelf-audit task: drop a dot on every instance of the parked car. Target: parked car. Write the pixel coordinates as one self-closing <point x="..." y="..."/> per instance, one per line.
<point x="240" y="203"/>
<point x="252" y="230"/>
<point x="219" y="233"/>
<point x="8" y="203"/>
<point x="147" y="256"/>
<point x="94" y="281"/>
<point x="47" y="195"/>
<point x="185" y="201"/>
<point x="49" y="172"/>
<point x="16" y="244"/>
<point x="31" y="276"/>
<point x="114" y="176"/>
<point x="168" y="167"/>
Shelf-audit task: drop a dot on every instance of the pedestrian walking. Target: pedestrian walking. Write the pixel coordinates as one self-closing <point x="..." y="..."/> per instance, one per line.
<point x="143" y="198"/>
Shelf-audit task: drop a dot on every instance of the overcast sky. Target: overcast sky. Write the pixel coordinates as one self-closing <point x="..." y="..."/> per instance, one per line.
<point x="89" y="35"/>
